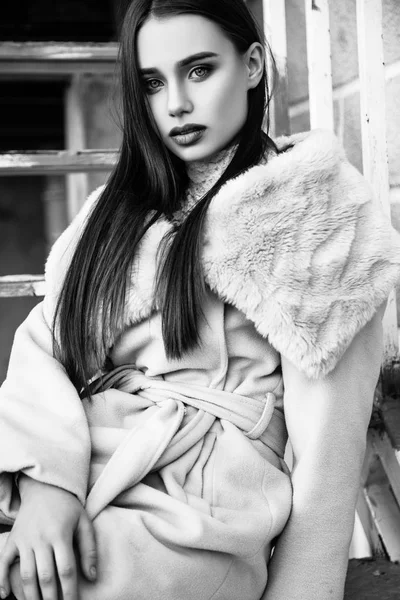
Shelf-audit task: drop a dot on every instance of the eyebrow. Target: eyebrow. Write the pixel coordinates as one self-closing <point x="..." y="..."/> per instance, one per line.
<point x="184" y="62"/>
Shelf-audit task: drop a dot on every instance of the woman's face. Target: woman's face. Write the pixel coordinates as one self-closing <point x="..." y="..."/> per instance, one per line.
<point x="193" y="76"/>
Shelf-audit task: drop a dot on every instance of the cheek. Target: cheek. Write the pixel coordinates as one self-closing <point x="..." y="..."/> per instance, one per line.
<point x="227" y="101"/>
<point x="157" y="109"/>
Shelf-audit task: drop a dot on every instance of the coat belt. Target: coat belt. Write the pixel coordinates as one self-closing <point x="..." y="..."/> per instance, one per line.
<point x="162" y="437"/>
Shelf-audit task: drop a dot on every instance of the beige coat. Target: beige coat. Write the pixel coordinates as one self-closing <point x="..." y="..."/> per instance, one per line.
<point x="180" y="465"/>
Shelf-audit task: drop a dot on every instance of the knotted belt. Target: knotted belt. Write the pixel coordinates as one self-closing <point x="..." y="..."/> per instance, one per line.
<point x="162" y="437"/>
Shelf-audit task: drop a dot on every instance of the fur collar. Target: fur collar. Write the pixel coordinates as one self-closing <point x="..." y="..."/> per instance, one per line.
<point x="297" y="244"/>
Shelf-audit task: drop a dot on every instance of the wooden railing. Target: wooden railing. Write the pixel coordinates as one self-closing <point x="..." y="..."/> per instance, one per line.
<point x="57" y="59"/>
<point x="53" y="60"/>
<point x="56" y="162"/>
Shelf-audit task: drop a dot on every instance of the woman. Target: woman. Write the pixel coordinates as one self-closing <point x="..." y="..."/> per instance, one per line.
<point x="217" y="289"/>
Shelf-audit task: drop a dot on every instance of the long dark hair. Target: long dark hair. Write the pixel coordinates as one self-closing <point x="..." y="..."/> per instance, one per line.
<point x="147" y="183"/>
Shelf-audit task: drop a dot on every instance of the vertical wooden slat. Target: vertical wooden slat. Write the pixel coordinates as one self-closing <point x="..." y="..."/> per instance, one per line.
<point x="274" y="25"/>
<point x="76" y="184"/>
<point x="373" y="129"/>
<point x="319" y="64"/>
<point x="55" y="210"/>
<point x="372" y="97"/>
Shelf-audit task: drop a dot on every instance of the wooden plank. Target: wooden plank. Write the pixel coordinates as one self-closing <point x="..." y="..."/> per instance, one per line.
<point x="77" y="183"/>
<point x="390" y="412"/>
<point x="368" y="524"/>
<point x="22" y="285"/>
<point x="373" y="116"/>
<point x="372" y="98"/>
<point x="274" y="25"/>
<point x="319" y="64"/>
<point x="381" y="499"/>
<point x="386" y="514"/>
<point x="51" y="58"/>
<point x="369" y="458"/>
<point x="389" y="459"/>
<point x="56" y="162"/>
<point x="362" y="509"/>
<point x="54" y="208"/>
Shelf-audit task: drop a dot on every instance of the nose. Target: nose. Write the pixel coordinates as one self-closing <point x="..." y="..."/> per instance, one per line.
<point x="178" y="100"/>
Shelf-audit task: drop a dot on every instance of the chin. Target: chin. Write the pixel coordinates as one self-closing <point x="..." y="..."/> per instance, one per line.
<point x="189" y="154"/>
<point x="195" y="155"/>
<point x="196" y="152"/>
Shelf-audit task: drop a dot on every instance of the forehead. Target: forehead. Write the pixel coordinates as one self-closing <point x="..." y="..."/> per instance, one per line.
<point x="164" y="42"/>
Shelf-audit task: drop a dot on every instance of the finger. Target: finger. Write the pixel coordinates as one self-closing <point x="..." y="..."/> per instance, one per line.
<point x="67" y="571"/>
<point x="16" y="583"/>
<point x="7" y="557"/>
<point x="86" y="541"/>
<point x="28" y="576"/>
<point x="46" y="572"/>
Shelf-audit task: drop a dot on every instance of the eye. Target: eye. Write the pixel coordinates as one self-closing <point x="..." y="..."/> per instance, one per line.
<point x="152" y="85"/>
<point x="201" y="72"/>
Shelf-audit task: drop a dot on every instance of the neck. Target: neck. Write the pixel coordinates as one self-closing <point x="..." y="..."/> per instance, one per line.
<point x="203" y="174"/>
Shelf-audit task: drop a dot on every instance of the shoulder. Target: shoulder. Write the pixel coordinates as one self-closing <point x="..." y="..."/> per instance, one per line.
<point x="306" y="163"/>
<point x="301" y="246"/>
<point x="307" y="190"/>
<point x="140" y="295"/>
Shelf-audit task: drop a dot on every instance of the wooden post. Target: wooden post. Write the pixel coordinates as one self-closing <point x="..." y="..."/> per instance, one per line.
<point x="54" y="205"/>
<point x="77" y="184"/>
<point x="274" y="26"/>
<point x="373" y="129"/>
<point x="319" y="64"/>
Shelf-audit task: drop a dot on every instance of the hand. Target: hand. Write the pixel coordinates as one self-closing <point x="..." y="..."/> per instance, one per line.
<point x="48" y="522"/>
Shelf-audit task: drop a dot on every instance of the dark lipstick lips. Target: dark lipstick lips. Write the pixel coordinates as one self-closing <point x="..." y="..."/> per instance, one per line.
<point x="185" y="129"/>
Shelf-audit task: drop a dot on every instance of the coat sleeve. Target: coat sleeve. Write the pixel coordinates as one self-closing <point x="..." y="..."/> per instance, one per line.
<point x="43" y="427"/>
<point x="327" y="420"/>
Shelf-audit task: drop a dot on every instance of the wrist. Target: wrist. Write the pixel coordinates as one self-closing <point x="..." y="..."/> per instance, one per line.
<point x="27" y="484"/>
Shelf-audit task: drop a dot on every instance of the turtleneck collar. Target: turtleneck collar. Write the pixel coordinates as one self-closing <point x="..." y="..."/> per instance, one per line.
<point x="204" y="173"/>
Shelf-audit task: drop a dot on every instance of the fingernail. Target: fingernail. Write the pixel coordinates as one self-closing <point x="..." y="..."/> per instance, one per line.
<point x="3" y="593"/>
<point x="93" y="572"/>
